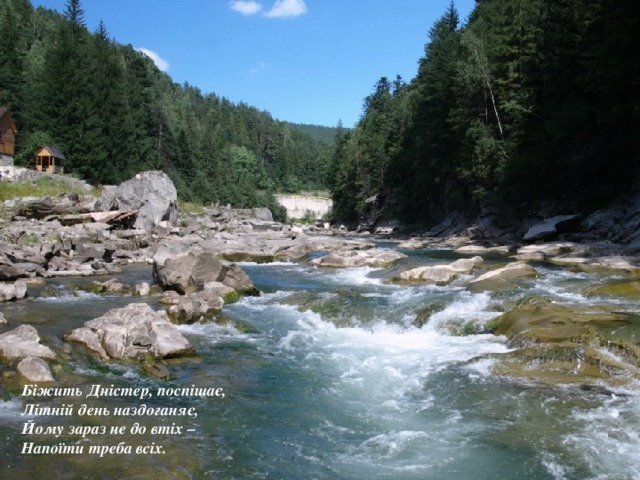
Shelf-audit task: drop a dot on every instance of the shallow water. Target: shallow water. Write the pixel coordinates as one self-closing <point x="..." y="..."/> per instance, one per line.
<point x="327" y="376"/>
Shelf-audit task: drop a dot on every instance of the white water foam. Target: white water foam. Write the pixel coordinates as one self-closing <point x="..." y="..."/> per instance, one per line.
<point x="10" y="409"/>
<point x="608" y="437"/>
<point x="383" y="363"/>
<point x="355" y="276"/>
<point x="468" y="308"/>
<point x="66" y="296"/>
<point x="268" y="264"/>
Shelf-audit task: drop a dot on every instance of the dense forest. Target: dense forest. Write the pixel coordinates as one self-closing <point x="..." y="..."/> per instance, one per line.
<point x="532" y="105"/>
<point x="113" y="114"/>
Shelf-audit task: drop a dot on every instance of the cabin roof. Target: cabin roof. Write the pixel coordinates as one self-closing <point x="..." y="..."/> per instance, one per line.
<point x="3" y="112"/>
<point x="54" y="151"/>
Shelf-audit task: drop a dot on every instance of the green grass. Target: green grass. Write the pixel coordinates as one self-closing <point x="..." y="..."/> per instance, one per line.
<point x="191" y="207"/>
<point x="43" y="187"/>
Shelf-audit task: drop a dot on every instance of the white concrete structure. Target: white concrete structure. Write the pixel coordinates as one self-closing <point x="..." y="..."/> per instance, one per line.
<point x="298" y="205"/>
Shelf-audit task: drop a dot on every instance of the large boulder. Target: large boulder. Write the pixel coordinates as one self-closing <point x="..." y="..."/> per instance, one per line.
<point x="132" y="332"/>
<point x="440" y="274"/>
<point x="153" y="195"/>
<point x="189" y="272"/>
<point x="552" y="226"/>
<point x="375" y="257"/>
<point x="22" y="342"/>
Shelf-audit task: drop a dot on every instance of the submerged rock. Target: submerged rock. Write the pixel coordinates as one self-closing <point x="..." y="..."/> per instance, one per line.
<point x="567" y="363"/>
<point x="132" y="332"/>
<point x="555" y="343"/>
<point x="626" y="288"/>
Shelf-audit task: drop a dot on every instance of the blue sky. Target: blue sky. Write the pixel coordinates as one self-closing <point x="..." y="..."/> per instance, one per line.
<point x="305" y="61"/>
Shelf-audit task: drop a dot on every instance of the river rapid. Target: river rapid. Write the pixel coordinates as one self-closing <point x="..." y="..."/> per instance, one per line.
<point x="329" y="375"/>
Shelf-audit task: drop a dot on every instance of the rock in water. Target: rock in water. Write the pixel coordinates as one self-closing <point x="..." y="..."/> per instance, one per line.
<point x="132" y="332"/>
<point x="512" y="271"/>
<point x="375" y="257"/>
<point x="153" y="195"/>
<point x="23" y="342"/>
<point x="441" y="274"/>
<point x="13" y="291"/>
<point x="35" y="369"/>
<point x="189" y="272"/>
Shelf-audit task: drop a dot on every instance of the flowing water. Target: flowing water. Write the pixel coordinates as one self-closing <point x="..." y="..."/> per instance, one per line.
<point x="327" y="375"/>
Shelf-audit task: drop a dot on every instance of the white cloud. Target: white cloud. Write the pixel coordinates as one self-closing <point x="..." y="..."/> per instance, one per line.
<point x="287" y="8"/>
<point x="258" y="68"/>
<point x="245" y="7"/>
<point x="160" y="62"/>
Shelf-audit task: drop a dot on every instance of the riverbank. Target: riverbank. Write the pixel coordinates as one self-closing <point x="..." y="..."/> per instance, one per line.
<point x="194" y="257"/>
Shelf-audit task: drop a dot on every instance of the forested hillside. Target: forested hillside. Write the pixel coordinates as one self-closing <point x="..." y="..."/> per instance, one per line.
<point x="532" y="104"/>
<point x="319" y="132"/>
<point x="113" y="114"/>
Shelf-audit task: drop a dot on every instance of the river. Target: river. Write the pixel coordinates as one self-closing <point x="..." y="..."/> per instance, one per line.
<point x="327" y="375"/>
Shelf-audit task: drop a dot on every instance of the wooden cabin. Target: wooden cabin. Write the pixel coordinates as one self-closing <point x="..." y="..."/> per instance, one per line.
<point x="49" y="159"/>
<point x="7" y="138"/>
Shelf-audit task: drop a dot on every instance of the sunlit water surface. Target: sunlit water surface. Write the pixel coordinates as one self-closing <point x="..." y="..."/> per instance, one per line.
<point x="328" y="376"/>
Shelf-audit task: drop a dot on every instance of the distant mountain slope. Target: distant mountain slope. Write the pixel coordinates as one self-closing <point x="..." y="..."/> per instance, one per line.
<point x="325" y="134"/>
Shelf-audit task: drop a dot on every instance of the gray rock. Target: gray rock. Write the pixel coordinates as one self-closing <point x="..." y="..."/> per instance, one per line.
<point x="375" y="257"/>
<point x="633" y="247"/>
<point x="62" y="204"/>
<point x="441" y="274"/>
<point x="553" y="249"/>
<point x="510" y="271"/>
<point x="132" y="332"/>
<point x="143" y="289"/>
<point x="35" y="369"/>
<point x="191" y="271"/>
<point x="13" y="291"/>
<point x="22" y="342"/>
<point x="9" y="272"/>
<point x="107" y="198"/>
<point x="196" y="307"/>
<point x="533" y="256"/>
<point x="550" y="227"/>
<point x="153" y="195"/>
<point x="263" y="214"/>
<point x="3" y="321"/>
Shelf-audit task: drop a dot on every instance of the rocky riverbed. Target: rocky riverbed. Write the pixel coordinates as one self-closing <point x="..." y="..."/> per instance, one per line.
<point x="517" y="351"/>
<point x="194" y="258"/>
